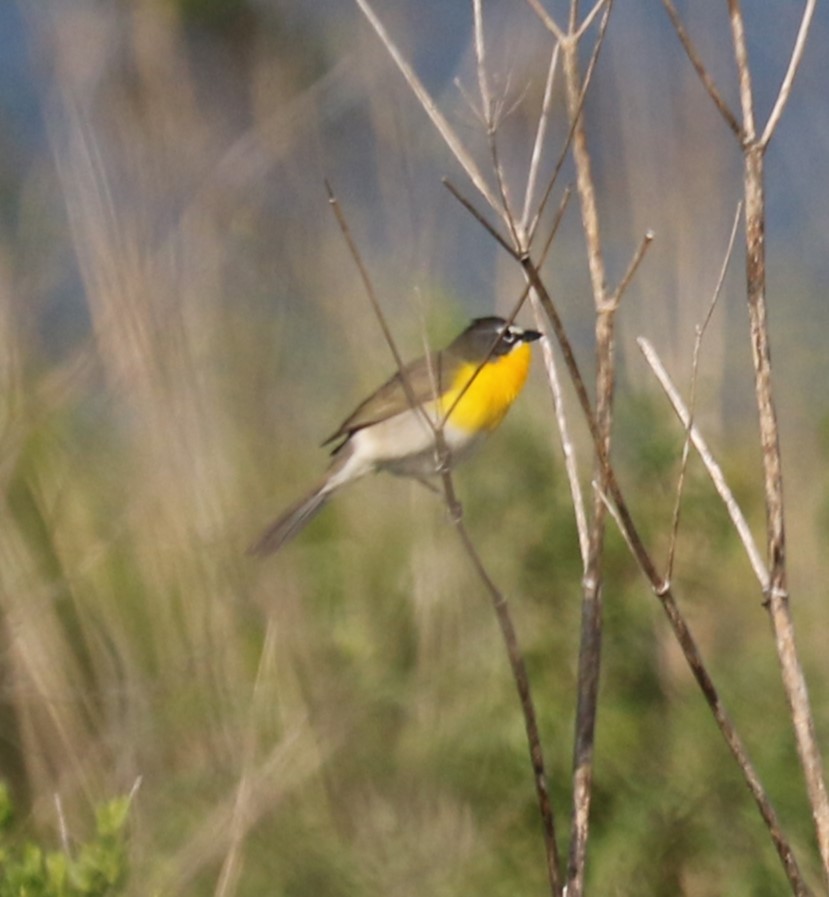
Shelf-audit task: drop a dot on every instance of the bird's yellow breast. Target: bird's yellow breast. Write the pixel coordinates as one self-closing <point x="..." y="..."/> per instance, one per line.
<point x="489" y="396"/>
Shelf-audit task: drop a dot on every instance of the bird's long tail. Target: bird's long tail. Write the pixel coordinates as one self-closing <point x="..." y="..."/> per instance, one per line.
<point x="292" y="521"/>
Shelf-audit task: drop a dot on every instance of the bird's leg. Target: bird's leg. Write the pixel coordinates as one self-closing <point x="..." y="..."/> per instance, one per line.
<point x="443" y="459"/>
<point x="443" y="468"/>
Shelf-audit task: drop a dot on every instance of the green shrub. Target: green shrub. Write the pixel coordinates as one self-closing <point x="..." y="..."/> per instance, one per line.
<point x="95" y="868"/>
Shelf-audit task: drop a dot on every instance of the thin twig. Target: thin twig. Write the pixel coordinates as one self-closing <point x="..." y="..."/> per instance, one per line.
<point x="480" y="64"/>
<point x="375" y="304"/>
<point x="663" y="592"/>
<point x="776" y="594"/>
<point x="491" y="121"/>
<point x="692" y="402"/>
<point x="711" y="465"/>
<point x="702" y="72"/>
<point x="589" y="19"/>
<point x="429" y="106"/>
<point x="65" y="843"/>
<point x="573" y="34"/>
<point x="540" y="134"/>
<point x="562" y="206"/>
<point x="566" y="442"/>
<point x="590" y="642"/>
<point x="558" y="399"/>
<point x="584" y="175"/>
<point x="723" y="720"/>
<point x="479" y="217"/>
<point x="624" y="283"/>
<point x="549" y="22"/>
<point x="516" y="659"/>
<point x="738" y="37"/>
<point x="522" y="683"/>
<point x="788" y="80"/>
<point x="588" y="77"/>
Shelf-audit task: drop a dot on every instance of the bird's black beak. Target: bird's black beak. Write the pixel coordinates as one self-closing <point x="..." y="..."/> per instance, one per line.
<point x="530" y="336"/>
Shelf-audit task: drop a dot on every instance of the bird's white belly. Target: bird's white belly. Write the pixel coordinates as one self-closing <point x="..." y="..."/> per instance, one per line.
<point x="404" y="445"/>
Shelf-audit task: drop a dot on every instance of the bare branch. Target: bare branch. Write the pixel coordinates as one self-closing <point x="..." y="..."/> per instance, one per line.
<point x="540" y="134"/>
<point x="479" y="217"/>
<point x="562" y="206"/>
<point x="573" y="33"/>
<point x="491" y="122"/>
<point x="480" y="58"/>
<point x="777" y="595"/>
<point x="591" y="67"/>
<point x="617" y="518"/>
<point x="683" y="467"/>
<point x="702" y="72"/>
<point x="549" y="22"/>
<point x="590" y="643"/>
<point x="563" y="429"/>
<point x="738" y="34"/>
<point x="691" y="652"/>
<point x="499" y="602"/>
<point x="470" y="102"/>
<point x="788" y="80"/>
<point x="430" y="107"/>
<point x="663" y="592"/>
<point x="375" y="304"/>
<point x="558" y="400"/>
<point x="584" y="174"/>
<point x="589" y="19"/>
<point x="522" y="683"/>
<point x="647" y="239"/>
<point x="564" y="342"/>
<point x="713" y="468"/>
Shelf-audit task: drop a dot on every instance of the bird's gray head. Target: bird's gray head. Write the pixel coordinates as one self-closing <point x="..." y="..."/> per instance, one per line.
<point x="477" y="341"/>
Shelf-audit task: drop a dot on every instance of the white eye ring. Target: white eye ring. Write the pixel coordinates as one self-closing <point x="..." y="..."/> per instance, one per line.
<point x="509" y="335"/>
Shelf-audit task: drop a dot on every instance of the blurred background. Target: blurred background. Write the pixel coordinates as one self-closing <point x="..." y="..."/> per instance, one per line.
<point x="180" y="323"/>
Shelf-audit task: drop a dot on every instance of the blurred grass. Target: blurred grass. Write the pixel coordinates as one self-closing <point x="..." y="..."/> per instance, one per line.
<point x="339" y="720"/>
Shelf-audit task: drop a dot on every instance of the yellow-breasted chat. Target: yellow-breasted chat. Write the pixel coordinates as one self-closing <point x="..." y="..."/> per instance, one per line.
<point x="393" y="429"/>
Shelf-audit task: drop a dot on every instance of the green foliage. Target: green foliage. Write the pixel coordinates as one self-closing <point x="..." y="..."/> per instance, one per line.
<point x="95" y="868"/>
<point x="388" y="696"/>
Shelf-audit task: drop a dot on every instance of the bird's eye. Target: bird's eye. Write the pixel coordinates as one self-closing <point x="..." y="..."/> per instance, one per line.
<point x="509" y="336"/>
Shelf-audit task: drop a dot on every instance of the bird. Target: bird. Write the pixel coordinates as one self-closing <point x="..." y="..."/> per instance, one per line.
<point x="466" y="389"/>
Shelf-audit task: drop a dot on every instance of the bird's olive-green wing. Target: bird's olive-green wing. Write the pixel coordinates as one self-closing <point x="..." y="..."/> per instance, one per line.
<point x="391" y="399"/>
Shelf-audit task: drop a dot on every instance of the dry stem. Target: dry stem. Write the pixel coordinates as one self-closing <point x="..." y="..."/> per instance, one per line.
<point x="702" y="72"/>
<point x="590" y="646"/>
<point x="444" y="465"/>
<point x="663" y="592"/>
<point x="683" y="467"/>
<point x="777" y="596"/>
<point x="519" y="672"/>
<point x="711" y="465"/>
